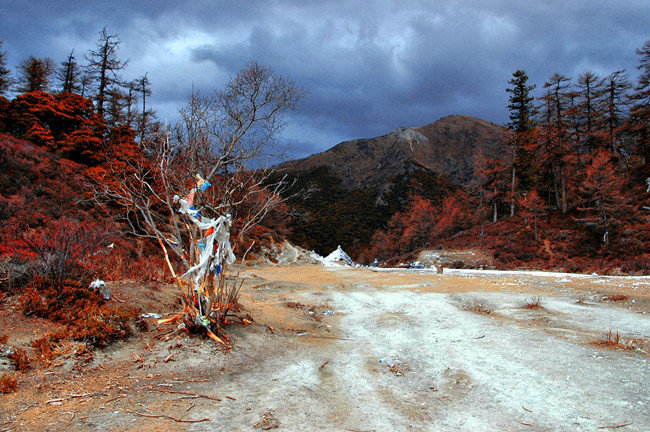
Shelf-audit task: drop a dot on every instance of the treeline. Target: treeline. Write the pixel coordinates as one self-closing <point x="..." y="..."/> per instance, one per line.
<point x="571" y="182"/>
<point x="75" y="107"/>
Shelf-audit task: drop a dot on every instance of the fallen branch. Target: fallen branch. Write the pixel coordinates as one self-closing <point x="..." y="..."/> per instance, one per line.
<point x="526" y="424"/>
<point x="615" y="426"/>
<point x="526" y="409"/>
<point x="168" y="417"/>
<point x="323" y="337"/>
<point x="189" y="394"/>
<point x="323" y="365"/>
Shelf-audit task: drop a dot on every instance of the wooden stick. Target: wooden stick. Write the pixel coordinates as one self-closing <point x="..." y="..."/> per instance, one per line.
<point x="216" y="338"/>
<point x="168" y="417"/>
<point x="526" y="424"/>
<point x="323" y="365"/>
<point x="526" y="409"/>
<point x="190" y="394"/>
<point x="168" y="320"/>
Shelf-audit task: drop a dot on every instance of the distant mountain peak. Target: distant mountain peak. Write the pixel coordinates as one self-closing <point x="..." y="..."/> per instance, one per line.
<point x="452" y="142"/>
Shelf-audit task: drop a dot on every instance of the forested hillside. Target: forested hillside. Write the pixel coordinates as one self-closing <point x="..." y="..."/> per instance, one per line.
<point x="564" y="185"/>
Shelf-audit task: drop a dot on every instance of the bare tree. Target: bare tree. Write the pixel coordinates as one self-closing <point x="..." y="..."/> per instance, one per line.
<point x="69" y="75"/>
<point x="143" y="85"/>
<point x="35" y="74"/>
<point x="5" y="75"/>
<point x="104" y="65"/>
<point x="199" y="181"/>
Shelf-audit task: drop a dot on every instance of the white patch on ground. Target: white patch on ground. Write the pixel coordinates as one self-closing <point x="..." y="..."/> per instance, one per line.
<point x="455" y="369"/>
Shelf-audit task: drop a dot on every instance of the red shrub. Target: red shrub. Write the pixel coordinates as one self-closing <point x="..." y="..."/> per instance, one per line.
<point x="19" y="359"/>
<point x="8" y="383"/>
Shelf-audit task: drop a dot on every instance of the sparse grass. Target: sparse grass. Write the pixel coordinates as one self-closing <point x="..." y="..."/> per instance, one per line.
<point x="478" y="306"/>
<point x="534" y="303"/>
<point x="310" y="310"/>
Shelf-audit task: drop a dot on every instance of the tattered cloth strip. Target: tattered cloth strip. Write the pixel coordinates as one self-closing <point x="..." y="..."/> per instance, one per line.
<point x="208" y="259"/>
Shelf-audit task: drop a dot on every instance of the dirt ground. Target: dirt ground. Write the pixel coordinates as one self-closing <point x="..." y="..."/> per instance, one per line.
<point x="347" y="349"/>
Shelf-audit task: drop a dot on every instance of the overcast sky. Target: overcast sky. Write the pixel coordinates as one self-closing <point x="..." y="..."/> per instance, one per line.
<point x="369" y="66"/>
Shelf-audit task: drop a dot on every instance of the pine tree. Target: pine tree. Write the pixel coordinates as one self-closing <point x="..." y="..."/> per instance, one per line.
<point x="522" y="122"/>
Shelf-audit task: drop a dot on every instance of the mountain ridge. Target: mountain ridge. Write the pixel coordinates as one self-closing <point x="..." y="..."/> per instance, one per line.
<point x="446" y="147"/>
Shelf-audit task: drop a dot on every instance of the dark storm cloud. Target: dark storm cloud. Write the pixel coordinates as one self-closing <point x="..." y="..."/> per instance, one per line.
<point x="369" y="66"/>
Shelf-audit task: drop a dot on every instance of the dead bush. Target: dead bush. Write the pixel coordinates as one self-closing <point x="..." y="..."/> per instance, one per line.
<point x="615" y="341"/>
<point x="63" y="249"/>
<point x="534" y="303"/>
<point x="478" y="306"/>
<point x="614" y="297"/>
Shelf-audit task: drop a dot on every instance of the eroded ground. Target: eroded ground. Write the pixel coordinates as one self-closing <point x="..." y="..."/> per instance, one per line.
<point x="357" y="350"/>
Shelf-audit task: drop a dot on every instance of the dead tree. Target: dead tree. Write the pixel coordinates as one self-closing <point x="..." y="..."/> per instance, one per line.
<point x="199" y="176"/>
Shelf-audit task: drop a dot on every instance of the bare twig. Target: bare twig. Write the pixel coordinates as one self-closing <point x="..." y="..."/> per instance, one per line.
<point x="168" y="417"/>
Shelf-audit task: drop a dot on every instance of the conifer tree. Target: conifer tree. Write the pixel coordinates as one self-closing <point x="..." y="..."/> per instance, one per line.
<point x="522" y="122"/>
